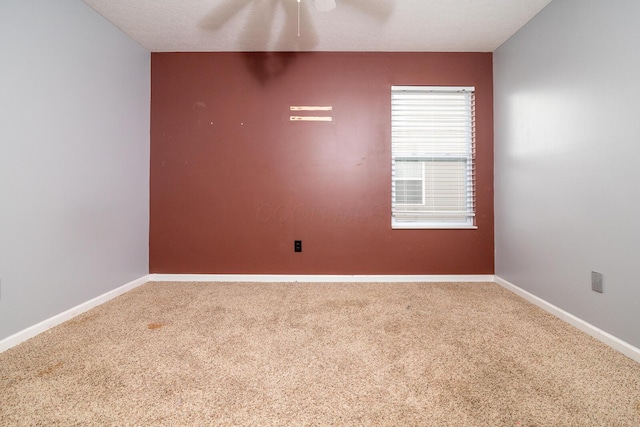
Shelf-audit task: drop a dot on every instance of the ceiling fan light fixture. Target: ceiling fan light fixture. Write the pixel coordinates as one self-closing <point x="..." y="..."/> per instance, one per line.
<point x="325" y="5"/>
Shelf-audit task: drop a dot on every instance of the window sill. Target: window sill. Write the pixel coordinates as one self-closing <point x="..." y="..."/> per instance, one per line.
<point x="423" y="226"/>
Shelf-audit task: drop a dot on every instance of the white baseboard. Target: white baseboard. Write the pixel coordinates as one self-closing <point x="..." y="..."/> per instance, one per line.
<point x="316" y="278"/>
<point x="38" y="328"/>
<point x="602" y="336"/>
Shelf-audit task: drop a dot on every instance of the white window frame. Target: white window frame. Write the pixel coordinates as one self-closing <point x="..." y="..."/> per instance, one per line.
<point x="414" y="140"/>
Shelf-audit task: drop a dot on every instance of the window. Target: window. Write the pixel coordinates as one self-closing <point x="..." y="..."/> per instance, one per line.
<point x="433" y="156"/>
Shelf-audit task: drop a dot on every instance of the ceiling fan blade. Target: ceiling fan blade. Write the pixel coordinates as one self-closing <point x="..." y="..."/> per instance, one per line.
<point x="379" y="9"/>
<point x="222" y="13"/>
<point x="325" y="5"/>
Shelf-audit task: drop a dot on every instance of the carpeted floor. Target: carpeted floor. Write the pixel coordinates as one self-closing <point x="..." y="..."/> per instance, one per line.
<point x="296" y="354"/>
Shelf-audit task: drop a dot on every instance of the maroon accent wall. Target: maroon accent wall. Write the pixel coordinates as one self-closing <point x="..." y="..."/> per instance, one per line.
<point x="234" y="182"/>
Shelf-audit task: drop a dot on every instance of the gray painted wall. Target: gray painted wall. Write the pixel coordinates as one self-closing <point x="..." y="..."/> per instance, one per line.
<point x="567" y="144"/>
<point x="74" y="159"/>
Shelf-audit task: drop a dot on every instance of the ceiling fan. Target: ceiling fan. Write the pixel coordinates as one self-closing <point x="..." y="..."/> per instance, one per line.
<point x="260" y="15"/>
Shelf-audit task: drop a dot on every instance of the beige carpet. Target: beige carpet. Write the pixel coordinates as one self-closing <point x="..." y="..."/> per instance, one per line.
<point x="296" y="354"/>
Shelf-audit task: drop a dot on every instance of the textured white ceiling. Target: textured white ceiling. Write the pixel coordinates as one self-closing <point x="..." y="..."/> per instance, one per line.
<point x="355" y="25"/>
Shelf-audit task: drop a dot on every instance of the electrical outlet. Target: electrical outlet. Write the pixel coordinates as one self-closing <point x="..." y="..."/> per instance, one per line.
<point x="297" y="246"/>
<point x="596" y="282"/>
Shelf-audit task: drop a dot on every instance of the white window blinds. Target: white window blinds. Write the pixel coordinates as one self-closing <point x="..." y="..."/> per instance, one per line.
<point x="433" y="156"/>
